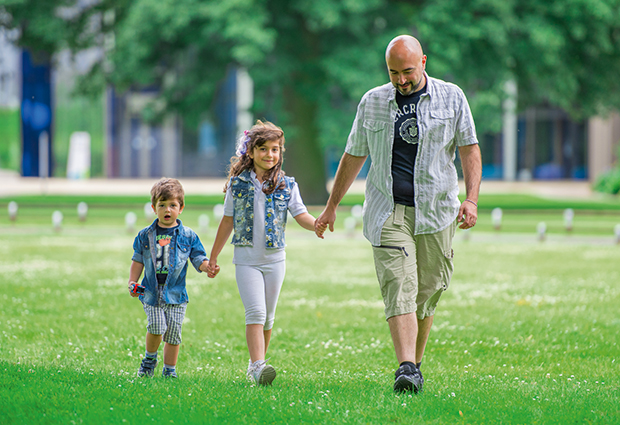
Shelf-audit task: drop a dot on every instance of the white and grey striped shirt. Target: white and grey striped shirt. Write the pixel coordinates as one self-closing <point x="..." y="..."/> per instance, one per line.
<point x="445" y="122"/>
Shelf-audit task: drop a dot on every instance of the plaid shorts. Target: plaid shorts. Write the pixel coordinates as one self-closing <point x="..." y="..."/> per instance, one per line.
<point x="165" y="319"/>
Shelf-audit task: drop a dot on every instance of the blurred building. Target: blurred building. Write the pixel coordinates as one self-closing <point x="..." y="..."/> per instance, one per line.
<point x="137" y="148"/>
<point x="603" y="144"/>
<point x="10" y="72"/>
<point x="549" y="145"/>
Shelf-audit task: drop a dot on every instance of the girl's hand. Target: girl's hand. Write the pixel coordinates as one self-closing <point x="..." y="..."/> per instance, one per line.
<point x="320" y="228"/>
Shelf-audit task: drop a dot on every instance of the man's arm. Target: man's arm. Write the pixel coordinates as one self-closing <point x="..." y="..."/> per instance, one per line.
<point x="348" y="169"/>
<point x="471" y="161"/>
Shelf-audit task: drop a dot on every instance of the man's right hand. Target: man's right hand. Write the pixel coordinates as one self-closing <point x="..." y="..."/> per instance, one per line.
<point x="327" y="218"/>
<point x="348" y="169"/>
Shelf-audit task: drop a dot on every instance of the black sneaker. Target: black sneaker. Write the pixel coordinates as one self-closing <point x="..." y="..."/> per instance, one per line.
<point x="408" y="378"/>
<point x="147" y="368"/>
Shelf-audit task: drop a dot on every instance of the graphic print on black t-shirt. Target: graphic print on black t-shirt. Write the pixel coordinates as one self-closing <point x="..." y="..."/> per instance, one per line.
<point x="405" y="147"/>
<point x="164" y="248"/>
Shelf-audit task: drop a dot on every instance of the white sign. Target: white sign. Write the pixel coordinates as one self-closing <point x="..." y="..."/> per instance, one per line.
<point x="78" y="164"/>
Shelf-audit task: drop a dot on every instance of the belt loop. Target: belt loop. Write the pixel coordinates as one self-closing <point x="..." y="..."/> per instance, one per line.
<point x="399" y="214"/>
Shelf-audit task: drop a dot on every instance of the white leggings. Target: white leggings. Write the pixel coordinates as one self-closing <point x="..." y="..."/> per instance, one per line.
<point x="259" y="287"/>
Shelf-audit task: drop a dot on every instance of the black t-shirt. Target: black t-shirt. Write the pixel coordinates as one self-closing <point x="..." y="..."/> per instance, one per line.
<point x="405" y="147"/>
<point x="164" y="243"/>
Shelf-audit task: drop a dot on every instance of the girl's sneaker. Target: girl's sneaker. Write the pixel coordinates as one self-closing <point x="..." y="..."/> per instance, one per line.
<point x="261" y="372"/>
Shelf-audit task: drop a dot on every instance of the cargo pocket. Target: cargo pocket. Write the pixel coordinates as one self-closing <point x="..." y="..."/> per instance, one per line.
<point x="448" y="268"/>
<point x="391" y="268"/>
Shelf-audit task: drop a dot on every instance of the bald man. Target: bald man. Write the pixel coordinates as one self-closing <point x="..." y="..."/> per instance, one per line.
<point x="410" y="128"/>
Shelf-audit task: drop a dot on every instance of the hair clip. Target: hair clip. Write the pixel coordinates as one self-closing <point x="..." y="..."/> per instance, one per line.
<point x="243" y="144"/>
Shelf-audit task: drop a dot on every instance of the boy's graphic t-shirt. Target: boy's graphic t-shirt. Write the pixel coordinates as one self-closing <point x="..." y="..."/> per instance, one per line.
<point x="163" y="243"/>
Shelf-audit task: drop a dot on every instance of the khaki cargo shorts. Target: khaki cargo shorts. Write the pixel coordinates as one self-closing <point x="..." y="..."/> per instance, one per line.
<point x="413" y="271"/>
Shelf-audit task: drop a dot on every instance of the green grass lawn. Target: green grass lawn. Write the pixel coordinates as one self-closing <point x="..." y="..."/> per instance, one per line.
<point x="526" y="333"/>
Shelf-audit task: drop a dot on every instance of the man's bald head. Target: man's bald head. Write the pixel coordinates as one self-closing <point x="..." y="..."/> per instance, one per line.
<point x="404" y="44"/>
<point x="406" y="63"/>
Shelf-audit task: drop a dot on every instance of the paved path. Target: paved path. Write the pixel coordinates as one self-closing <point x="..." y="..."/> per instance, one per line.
<point x="11" y="184"/>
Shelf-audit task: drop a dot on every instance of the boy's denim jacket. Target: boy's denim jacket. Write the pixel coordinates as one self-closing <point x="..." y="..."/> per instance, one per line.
<point x="187" y="245"/>
<point x="276" y="211"/>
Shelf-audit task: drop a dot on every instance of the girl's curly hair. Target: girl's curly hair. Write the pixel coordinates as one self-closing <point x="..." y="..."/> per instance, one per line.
<point x="258" y="135"/>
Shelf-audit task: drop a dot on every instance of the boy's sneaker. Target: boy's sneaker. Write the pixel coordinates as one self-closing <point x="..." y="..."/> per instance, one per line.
<point x="147" y="368"/>
<point x="261" y="372"/>
<point x="408" y="378"/>
<point x="169" y="373"/>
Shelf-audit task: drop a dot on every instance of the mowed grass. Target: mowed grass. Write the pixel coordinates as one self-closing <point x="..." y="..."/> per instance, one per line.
<point x="526" y="334"/>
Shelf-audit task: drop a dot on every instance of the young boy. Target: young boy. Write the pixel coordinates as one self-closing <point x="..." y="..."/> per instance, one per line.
<point x="162" y="250"/>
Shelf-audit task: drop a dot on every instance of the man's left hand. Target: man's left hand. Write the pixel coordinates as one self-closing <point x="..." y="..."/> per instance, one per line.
<point x="468" y="215"/>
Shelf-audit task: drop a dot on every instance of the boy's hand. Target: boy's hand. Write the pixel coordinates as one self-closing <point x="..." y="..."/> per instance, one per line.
<point x="131" y="292"/>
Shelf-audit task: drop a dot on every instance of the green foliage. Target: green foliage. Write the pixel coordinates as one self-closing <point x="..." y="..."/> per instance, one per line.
<point x="564" y="53"/>
<point x="42" y="28"/>
<point x="10" y="145"/>
<point x="608" y="182"/>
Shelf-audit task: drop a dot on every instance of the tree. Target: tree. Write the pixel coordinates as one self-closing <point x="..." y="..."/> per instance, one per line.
<point x="326" y="55"/>
<point x="562" y="53"/>
<point x="312" y="60"/>
<point x="308" y="59"/>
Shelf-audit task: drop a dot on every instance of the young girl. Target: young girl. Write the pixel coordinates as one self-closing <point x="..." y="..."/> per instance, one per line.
<point x="258" y="196"/>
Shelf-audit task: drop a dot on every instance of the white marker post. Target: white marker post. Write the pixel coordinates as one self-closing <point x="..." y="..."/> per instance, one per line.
<point x="542" y="230"/>
<point x="82" y="210"/>
<point x="148" y="212"/>
<point x="13" y="210"/>
<point x="203" y="223"/>
<point x="218" y="211"/>
<point x="569" y="214"/>
<point x="349" y="225"/>
<point x="57" y="220"/>
<point x="130" y="221"/>
<point x="496" y="218"/>
<point x="617" y="232"/>
<point x="356" y="212"/>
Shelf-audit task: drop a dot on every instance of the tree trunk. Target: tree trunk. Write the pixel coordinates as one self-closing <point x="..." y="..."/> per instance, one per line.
<point x="303" y="158"/>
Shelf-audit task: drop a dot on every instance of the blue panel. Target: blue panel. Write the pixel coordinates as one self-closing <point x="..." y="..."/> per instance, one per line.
<point x="36" y="113"/>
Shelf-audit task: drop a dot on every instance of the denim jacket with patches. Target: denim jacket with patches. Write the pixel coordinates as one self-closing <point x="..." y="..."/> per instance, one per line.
<point x="185" y="246"/>
<point x="276" y="209"/>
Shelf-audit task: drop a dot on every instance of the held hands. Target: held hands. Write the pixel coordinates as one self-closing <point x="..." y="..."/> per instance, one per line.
<point x="319" y="228"/>
<point x="327" y="218"/>
<point x="468" y="214"/>
<point x="212" y="268"/>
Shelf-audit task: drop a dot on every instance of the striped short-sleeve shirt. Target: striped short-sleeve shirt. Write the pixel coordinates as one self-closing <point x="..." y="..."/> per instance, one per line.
<point x="444" y="123"/>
